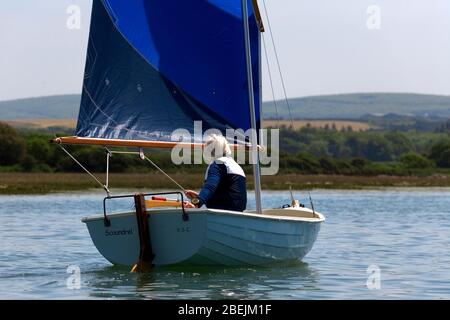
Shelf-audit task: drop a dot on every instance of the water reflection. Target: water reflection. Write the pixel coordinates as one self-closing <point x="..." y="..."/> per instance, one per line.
<point x="192" y="282"/>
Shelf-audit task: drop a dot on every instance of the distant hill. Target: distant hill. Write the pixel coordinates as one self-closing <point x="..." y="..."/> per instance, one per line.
<point x="354" y="106"/>
<point x="343" y="106"/>
<point x="51" y="107"/>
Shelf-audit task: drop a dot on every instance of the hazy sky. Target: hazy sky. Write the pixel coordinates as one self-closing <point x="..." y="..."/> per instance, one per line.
<point x="325" y="47"/>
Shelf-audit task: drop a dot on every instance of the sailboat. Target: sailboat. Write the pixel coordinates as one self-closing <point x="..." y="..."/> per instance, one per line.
<point x="154" y="66"/>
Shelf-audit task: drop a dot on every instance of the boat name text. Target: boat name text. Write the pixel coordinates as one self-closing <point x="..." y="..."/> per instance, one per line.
<point x="123" y="232"/>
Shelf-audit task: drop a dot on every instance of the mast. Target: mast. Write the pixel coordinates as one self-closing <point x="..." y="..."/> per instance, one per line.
<point x="254" y="148"/>
<point x="261" y="141"/>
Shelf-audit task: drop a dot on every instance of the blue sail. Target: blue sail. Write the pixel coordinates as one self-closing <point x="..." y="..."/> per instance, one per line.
<point x="154" y="66"/>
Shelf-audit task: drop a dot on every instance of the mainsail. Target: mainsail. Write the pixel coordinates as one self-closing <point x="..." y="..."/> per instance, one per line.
<point x="154" y="66"/>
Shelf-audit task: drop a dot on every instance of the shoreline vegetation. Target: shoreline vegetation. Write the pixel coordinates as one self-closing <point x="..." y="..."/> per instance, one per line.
<point x="309" y="158"/>
<point x="44" y="183"/>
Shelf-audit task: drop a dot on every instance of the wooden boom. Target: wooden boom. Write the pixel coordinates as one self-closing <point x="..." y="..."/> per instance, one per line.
<point x="133" y="143"/>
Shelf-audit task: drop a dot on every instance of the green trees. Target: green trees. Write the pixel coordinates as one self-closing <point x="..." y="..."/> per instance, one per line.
<point x="399" y="143"/>
<point x="415" y="161"/>
<point x="370" y="152"/>
<point x="308" y="150"/>
<point x="440" y="153"/>
<point x="12" y="146"/>
<point x="378" y="146"/>
<point x="39" y="148"/>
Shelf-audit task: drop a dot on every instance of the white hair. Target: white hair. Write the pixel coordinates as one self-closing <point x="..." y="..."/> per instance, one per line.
<point x="219" y="145"/>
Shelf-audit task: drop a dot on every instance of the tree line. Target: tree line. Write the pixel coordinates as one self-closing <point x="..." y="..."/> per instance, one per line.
<point x="307" y="150"/>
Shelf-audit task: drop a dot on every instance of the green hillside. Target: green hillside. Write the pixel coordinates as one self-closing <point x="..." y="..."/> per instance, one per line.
<point x="51" y="107"/>
<point x="343" y="106"/>
<point x="354" y="106"/>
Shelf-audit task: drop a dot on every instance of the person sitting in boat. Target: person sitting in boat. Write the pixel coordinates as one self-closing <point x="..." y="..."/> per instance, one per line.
<point x="225" y="183"/>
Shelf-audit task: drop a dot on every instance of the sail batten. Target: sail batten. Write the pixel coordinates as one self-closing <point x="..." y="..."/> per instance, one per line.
<point x="154" y="66"/>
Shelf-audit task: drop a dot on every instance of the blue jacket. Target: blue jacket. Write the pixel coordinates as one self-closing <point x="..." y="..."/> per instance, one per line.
<point x="225" y="186"/>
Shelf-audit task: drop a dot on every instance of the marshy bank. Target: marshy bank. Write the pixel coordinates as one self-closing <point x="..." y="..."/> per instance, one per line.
<point x="42" y="183"/>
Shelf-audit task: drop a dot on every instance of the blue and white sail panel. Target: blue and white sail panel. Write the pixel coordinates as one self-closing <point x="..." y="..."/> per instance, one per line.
<point x="154" y="66"/>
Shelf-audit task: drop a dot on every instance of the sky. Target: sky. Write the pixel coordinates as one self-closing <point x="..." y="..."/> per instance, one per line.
<point x="324" y="47"/>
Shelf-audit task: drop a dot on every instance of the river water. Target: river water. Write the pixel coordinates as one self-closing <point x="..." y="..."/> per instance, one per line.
<point x="374" y="244"/>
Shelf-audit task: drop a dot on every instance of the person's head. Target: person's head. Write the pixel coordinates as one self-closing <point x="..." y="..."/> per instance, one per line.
<point x="218" y="145"/>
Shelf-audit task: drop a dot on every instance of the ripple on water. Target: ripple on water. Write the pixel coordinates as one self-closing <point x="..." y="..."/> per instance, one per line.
<point x="402" y="232"/>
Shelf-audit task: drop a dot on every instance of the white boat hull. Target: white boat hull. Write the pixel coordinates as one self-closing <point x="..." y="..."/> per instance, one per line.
<point x="210" y="237"/>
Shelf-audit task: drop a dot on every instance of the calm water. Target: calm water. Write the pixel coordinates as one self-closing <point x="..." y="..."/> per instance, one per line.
<point x="405" y="233"/>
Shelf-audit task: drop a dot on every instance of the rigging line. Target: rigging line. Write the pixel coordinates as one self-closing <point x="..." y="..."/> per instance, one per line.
<point x="162" y="171"/>
<point x="312" y="204"/>
<point x="282" y="78"/>
<point x="278" y="63"/>
<point x="271" y="81"/>
<point x="86" y="170"/>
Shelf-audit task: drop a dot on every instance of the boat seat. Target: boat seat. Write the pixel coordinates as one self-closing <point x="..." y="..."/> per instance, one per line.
<point x="162" y="203"/>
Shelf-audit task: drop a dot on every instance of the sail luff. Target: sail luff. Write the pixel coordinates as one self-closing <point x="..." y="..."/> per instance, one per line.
<point x="260" y="137"/>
